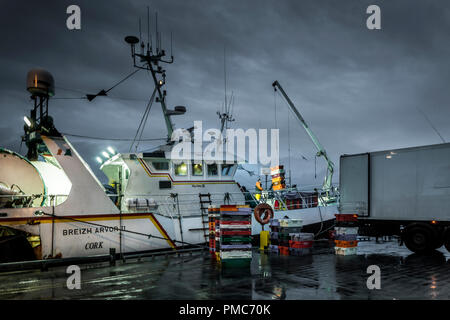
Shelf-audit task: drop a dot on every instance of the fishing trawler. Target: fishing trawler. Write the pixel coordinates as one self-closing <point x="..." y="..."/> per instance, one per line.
<point x="52" y="205"/>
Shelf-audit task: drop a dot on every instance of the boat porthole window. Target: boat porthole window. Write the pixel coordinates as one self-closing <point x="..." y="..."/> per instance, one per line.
<point x="181" y="169"/>
<point x="197" y="169"/>
<point x="213" y="170"/>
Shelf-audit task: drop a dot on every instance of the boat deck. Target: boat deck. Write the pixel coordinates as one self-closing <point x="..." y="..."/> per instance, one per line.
<point x="196" y="276"/>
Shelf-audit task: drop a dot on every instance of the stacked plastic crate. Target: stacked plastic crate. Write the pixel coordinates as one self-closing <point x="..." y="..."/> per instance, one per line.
<point x="301" y="244"/>
<point x="235" y="233"/>
<point x="286" y="237"/>
<point x="278" y="181"/>
<point x="346" y="233"/>
<point x="274" y="225"/>
<point x="213" y="216"/>
<point x="217" y="236"/>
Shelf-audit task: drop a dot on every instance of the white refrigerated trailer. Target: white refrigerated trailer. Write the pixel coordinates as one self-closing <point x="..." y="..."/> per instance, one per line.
<point x="403" y="192"/>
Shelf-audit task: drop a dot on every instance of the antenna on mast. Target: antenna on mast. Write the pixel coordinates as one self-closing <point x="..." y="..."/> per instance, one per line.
<point x="156" y="32"/>
<point x="225" y="74"/>
<point x="140" y="32"/>
<point x="148" y="29"/>
<point x="171" y="47"/>
<point x="140" y="37"/>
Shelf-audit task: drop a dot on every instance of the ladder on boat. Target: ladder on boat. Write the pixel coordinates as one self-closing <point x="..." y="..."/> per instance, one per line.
<point x="205" y="201"/>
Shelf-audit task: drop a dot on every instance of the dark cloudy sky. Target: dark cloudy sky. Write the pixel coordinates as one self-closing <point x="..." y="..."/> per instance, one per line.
<point x="360" y="90"/>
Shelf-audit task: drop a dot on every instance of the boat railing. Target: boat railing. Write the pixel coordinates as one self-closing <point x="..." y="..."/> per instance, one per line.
<point x="174" y="205"/>
<point x="21" y="200"/>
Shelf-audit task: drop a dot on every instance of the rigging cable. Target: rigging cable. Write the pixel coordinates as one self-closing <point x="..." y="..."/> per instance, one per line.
<point x="69" y="98"/>
<point x="128" y="76"/>
<point x="90" y="97"/>
<point x="143" y="125"/>
<point x="431" y="124"/>
<point x="144" y="118"/>
<point x="109" y="139"/>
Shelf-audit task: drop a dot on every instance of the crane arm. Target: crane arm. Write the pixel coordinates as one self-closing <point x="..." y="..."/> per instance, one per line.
<point x="320" y="149"/>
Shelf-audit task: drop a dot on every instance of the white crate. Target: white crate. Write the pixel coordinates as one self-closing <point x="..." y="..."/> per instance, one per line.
<point x="302" y="236"/>
<point x="236" y="254"/>
<point x="346" y="230"/>
<point x="291" y="222"/>
<point x="277" y="171"/>
<point x="345" y="251"/>
<point x="235" y="226"/>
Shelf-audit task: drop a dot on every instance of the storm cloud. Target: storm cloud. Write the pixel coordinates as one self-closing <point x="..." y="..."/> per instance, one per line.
<point x="360" y="90"/>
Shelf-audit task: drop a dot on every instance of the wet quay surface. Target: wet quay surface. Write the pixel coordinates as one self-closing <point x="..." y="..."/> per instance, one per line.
<point x="322" y="275"/>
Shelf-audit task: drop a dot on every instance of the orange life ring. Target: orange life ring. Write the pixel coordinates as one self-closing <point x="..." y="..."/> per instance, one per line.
<point x="263" y="208"/>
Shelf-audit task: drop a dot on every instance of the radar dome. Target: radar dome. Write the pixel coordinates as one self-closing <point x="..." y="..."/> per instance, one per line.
<point x="40" y="83"/>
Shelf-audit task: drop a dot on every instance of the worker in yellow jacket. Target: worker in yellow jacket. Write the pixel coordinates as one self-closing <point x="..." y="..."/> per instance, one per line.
<point x="259" y="188"/>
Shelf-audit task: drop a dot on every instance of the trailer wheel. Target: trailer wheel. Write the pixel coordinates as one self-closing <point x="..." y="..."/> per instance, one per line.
<point x="420" y="238"/>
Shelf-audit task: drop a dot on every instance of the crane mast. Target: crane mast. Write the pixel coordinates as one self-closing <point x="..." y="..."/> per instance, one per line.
<point x="327" y="184"/>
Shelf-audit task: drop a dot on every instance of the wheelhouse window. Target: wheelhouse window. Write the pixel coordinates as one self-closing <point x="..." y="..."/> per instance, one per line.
<point x="227" y="169"/>
<point x="197" y="169"/>
<point x="213" y="170"/>
<point x="160" y="165"/>
<point x="181" y="169"/>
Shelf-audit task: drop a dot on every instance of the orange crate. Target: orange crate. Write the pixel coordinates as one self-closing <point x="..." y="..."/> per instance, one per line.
<point x="228" y="207"/>
<point x="300" y="244"/>
<point x="284" y="251"/>
<point x="346" y="244"/>
<point x="277" y="180"/>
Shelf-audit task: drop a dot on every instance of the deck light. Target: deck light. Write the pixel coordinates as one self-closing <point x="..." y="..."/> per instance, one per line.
<point x="111" y="150"/>
<point x="27" y="121"/>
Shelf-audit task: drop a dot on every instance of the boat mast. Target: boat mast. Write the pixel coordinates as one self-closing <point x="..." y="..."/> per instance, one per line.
<point x="150" y="60"/>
